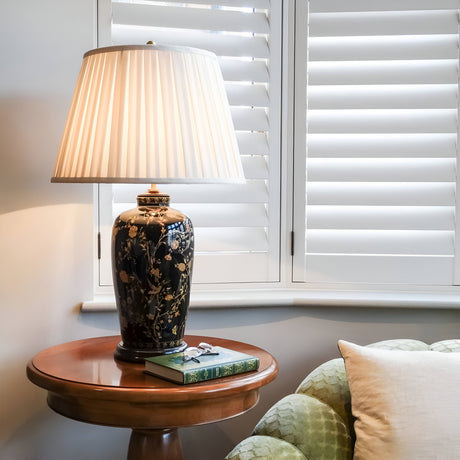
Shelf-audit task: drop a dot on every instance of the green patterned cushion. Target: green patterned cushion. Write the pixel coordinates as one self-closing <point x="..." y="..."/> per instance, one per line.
<point x="400" y="344"/>
<point x="310" y="425"/>
<point x="265" y="448"/>
<point x="447" y="346"/>
<point x="329" y="384"/>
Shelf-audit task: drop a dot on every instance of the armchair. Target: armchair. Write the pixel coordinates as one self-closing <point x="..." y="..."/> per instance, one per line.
<point x="316" y="423"/>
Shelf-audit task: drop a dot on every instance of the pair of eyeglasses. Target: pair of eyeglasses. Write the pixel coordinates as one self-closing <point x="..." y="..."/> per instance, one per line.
<point x="192" y="353"/>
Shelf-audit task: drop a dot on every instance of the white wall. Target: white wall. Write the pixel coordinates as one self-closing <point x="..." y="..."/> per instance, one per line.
<point x="45" y="271"/>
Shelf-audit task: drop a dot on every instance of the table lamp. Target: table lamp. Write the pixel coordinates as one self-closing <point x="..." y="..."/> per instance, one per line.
<point x="150" y="114"/>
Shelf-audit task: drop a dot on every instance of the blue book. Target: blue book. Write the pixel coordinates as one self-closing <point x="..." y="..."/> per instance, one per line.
<point x="228" y="362"/>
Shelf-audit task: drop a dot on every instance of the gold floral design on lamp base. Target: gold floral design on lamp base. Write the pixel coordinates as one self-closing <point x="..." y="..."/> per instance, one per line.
<point x="152" y="260"/>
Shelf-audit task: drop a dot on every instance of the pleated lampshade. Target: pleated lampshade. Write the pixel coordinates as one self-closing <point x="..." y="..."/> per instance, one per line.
<point x="149" y="114"/>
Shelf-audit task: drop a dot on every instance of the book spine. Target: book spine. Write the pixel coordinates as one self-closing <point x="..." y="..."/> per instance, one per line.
<point x="221" y="370"/>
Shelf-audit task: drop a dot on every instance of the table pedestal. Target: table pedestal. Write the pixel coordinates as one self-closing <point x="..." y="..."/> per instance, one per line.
<point x="158" y="444"/>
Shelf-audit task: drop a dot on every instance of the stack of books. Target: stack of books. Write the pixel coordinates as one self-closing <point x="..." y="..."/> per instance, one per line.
<point x="208" y="366"/>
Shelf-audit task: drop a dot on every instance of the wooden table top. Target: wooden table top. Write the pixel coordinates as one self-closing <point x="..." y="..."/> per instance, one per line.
<point x="86" y="370"/>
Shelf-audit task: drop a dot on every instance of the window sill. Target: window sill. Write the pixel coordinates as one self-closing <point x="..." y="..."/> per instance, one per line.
<point x="449" y="299"/>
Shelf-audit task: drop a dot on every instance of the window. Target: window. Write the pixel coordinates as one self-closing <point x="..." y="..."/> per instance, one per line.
<point x="346" y="114"/>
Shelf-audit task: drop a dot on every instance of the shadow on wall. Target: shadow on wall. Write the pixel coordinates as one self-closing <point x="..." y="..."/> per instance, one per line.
<point x="105" y="320"/>
<point x="85" y="444"/>
<point x="72" y="440"/>
<point x="233" y="318"/>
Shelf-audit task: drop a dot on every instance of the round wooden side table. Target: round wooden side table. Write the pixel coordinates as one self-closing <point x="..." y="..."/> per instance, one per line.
<point x="86" y="383"/>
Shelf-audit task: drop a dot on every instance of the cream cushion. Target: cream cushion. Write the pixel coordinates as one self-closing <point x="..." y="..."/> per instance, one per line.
<point x="406" y="403"/>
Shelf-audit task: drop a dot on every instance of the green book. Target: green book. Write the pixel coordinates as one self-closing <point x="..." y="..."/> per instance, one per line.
<point x="226" y="363"/>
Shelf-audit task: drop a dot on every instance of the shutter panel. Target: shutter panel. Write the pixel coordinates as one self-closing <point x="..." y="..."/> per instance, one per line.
<point x="381" y="142"/>
<point x="236" y="226"/>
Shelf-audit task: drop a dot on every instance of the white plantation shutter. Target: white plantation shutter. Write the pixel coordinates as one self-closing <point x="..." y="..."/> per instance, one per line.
<point x="379" y="140"/>
<point x="236" y="226"/>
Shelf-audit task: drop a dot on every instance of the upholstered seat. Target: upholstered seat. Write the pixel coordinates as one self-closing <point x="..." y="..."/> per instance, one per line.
<point x="316" y="423"/>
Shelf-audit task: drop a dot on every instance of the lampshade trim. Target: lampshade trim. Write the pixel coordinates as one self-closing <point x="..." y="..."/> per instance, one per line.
<point x="178" y="49"/>
<point x="145" y="180"/>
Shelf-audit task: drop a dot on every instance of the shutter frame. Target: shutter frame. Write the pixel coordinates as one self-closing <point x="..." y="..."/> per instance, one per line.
<point x="374" y="214"/>
<point x="246" y="250"/>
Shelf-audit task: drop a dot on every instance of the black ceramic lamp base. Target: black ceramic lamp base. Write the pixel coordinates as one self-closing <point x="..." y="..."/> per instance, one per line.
<point x="132" y="355"/>
<point x="152" y="260"/>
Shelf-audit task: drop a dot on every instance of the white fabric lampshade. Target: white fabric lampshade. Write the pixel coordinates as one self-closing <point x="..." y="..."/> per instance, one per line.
<point x="149" y="113"/>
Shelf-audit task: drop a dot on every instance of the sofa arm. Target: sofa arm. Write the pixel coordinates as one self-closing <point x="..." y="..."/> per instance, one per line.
<point x="310" y="425"/>
<point x="265" y="448"/>
<point x="328" y="383"/>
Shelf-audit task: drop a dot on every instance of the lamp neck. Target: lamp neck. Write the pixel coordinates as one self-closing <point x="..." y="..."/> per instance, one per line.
<point x="153" y="199"/>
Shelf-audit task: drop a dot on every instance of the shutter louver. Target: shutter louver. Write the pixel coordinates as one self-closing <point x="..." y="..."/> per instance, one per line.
<point x="236" y="226"/>
<point x="382" y="98"/>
